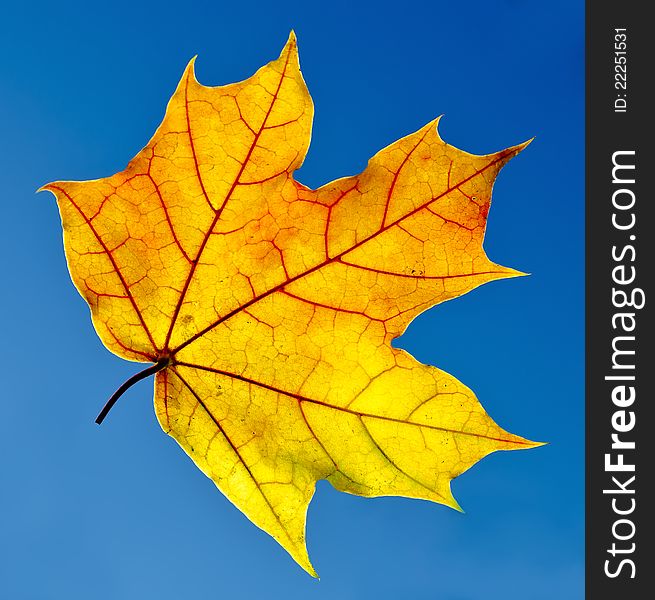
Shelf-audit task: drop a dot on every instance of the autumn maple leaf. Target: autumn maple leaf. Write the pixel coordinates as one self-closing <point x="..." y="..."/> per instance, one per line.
<point x="268" y="309"/>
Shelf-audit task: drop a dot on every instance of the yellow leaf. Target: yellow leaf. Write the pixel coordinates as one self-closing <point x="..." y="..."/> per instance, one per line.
<point x="269" y="308"/>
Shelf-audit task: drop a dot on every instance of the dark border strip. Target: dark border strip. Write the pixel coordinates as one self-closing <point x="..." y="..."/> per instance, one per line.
<point x="620" y="447"/>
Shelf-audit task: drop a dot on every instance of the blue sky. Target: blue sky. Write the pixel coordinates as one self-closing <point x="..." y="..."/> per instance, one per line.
<point x="119" y="511"/>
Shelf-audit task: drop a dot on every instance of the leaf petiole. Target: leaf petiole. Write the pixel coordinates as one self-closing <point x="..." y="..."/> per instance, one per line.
<point x="161" y="364"/>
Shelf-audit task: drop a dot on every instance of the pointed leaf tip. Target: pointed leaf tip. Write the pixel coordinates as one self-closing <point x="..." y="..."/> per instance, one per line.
<point x="452" y="502"/>
<point x="525" y="144"/>
<point x="524" y="443"/>
<point x="434" y="125"/>
<point x="190" y="69"/>
<point x="516" y="273"/>
<point x="538" y="444"/>
<point x="47" y="187"/>
<point x="291" y="44"/>
<point x="509" y="153"/>
<point x="435" y="122"/>
<point x="520" y="147"/>
<point x="289" y="52"/>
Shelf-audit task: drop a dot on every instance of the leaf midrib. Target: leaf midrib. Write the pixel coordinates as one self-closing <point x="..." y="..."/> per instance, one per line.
<point x="338" y="257"/>
<point x="219" y="211"/>
<point x="301" y="398"/>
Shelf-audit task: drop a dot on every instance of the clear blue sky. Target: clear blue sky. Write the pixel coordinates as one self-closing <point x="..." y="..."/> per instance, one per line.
<point x="118" y="511"/>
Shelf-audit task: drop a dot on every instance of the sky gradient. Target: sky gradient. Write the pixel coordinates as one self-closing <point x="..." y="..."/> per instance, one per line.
<point x="119" y="511"/>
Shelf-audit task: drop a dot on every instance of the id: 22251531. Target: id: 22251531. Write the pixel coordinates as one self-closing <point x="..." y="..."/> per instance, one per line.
<point x="621" y="70"/>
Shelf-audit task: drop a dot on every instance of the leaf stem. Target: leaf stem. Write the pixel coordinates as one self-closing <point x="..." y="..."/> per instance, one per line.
<point x="161" y="364"/>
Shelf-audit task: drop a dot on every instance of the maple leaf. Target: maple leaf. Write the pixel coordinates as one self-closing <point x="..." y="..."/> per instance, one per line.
<point x="268" y="309"/>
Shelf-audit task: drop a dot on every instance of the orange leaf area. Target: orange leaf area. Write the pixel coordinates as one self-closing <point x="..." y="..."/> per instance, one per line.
<point x="275" y="305"/>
